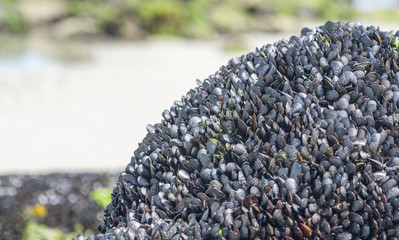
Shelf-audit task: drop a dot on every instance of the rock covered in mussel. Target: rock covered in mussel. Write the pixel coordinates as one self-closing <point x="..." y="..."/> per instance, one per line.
<point x="298" y="139"/>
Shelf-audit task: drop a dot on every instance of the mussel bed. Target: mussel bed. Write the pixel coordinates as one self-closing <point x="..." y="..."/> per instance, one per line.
<point x="296" y="140"/>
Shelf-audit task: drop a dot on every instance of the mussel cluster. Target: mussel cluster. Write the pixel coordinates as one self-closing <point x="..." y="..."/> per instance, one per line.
<point x="296" y="140"/>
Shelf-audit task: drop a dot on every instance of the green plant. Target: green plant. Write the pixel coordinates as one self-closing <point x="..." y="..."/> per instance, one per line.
<point x="321" y="9"/>
<point x="34" y="231"/>
<point x="102" y="196"/>
<point x="12" y="17"/>
<point x="163" y="17"/>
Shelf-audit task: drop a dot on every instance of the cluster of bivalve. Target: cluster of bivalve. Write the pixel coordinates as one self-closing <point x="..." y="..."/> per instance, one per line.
<point x="296" y="140"/>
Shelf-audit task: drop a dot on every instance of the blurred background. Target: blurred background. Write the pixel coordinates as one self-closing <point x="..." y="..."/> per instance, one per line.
<point x="80" y="80"/>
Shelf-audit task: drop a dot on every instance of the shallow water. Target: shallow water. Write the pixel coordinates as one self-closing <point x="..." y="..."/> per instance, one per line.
<point x="27" y="61"/>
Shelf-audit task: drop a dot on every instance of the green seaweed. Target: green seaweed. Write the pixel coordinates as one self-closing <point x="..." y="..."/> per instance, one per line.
<point x="396" y="43"/>
<point x="102" y="196"/>
<point x="394" y="117"/>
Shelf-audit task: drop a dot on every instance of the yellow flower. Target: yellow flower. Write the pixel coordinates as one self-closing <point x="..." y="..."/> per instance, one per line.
<point x="38" y="211"/>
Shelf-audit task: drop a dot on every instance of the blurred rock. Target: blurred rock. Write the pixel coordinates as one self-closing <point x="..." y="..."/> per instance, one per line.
<point x="277" y="23"/>
<point x="75" y="26"/>
<point x="130" y="29"/>
<point x="228" y="19"/>
<point x="39" y="12"/>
